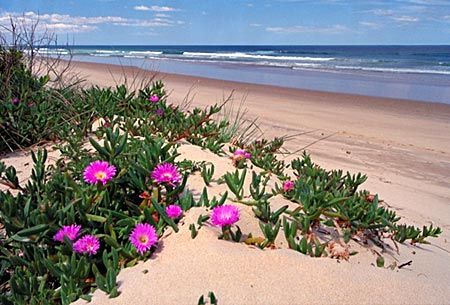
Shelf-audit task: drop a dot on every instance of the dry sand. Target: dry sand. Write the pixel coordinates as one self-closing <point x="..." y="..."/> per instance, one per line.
<point x="403" y="146"/>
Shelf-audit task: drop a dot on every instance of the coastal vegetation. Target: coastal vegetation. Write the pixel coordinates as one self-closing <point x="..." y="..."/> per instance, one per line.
<point x="119" y="185"/>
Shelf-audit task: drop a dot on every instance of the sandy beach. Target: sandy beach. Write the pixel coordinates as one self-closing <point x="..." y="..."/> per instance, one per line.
<point x="404" y="148"/>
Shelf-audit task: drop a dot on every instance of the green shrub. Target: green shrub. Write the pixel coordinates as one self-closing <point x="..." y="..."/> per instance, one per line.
<point x="37" y="269"/>
<point x="31" y="112"/>
<point x="332" y="199"/>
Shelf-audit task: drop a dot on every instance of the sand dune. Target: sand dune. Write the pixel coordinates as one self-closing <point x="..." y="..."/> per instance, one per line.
<point x="403" y="146"/>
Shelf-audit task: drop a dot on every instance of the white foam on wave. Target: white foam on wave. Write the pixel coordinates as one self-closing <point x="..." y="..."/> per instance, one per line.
<point x="237" y="55"/>
<point x="130" y="54"/>
<point x="107" y="51"/>
<point x="210" y="60"/>
<point x="133" y="56"/>
<point x="145" y="52"/>
<point x="46" y="51"/>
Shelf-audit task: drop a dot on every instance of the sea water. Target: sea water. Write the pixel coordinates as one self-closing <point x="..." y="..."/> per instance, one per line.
<point x="408" y="72"/>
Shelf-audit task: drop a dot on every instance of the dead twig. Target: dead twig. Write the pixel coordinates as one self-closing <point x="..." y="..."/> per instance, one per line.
<point x="405" y="264"/>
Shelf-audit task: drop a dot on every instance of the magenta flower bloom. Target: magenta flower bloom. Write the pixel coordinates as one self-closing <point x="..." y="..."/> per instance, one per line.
<point x="154" y="98"/>
<point x="159" y="112"/>
<point x="143" y="237"/>
<point x="288" y="185"/>
<point x="88" y="244"/>
<point x="174" y="211"/>
<point x="71" y="232"/>
<point x="99" y="171"/>
<point x="242" y="153"/>
<point x="166" y="173"/>
<point x="224" y="215"/>
<point x="15" y="101"/>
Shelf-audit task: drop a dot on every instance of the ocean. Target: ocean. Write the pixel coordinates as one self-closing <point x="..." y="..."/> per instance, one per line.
<point x="407" y="72"/>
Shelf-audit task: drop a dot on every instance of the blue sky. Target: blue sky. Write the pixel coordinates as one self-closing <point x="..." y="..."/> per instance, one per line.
<point x="238" y="21"/>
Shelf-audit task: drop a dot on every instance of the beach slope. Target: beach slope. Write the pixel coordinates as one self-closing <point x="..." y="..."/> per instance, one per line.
<point x="403" y="147"/>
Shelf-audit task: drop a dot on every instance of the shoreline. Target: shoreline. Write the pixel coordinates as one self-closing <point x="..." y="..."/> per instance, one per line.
<point x="290" y="98"/>
<point x="185" y="77"/>
<point x="421" y="87"/>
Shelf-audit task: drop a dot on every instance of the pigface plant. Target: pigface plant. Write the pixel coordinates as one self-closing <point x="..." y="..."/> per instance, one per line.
<point x="207" y="173"/>
<point x="235" y="183"/>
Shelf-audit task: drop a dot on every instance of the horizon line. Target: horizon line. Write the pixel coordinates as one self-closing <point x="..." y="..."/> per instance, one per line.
<point x="259" y="45"/>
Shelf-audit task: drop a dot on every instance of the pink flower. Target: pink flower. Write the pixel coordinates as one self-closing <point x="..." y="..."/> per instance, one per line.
<point x="159" y="112"/>
<point x="166" y="173"/>
<point x="143" y="237"/>
<point x="99" y="171"/>
<point x="242" y="153"/>
<point x="15" y="101"/>
<point x="224" y="215"/>
<point x="174" y="211"/>
<point x="88" y="244"/>
<point x="288" y="185"/>
<point x="71" y="232"/>
<point x="154" y="98"/>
